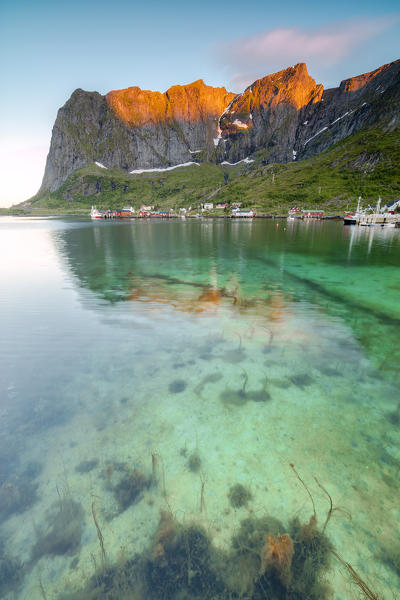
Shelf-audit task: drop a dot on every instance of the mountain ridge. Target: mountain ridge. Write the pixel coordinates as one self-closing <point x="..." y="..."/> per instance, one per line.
<point x="287" y="115"/>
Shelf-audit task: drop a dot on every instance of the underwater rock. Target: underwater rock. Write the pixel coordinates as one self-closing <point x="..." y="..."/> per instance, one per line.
<point x="177" y="386"/>
<point x="239" y="495"/>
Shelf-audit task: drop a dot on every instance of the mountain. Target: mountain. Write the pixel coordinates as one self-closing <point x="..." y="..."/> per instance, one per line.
<point x="133" y="128"/>
<point x="280" y="118"/>
<point x="293" y="118"/>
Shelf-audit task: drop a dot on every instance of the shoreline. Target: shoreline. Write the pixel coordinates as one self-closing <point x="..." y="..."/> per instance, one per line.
<point x="6" y="213"/>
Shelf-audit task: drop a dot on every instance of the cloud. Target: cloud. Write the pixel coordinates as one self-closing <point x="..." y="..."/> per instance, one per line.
<point x="275" y="49"/>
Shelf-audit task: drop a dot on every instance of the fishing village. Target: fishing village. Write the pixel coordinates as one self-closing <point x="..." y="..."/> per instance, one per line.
<point x="384" y="216"/>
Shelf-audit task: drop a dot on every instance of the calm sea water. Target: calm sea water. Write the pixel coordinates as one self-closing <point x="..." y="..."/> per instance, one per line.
<point x="154" y="366"/>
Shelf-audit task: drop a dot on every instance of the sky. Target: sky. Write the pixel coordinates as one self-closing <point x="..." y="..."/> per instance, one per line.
<point x="48" y="49"/>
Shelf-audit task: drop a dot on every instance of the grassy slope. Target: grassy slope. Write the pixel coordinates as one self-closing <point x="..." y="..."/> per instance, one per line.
<point x="366" y="164"/>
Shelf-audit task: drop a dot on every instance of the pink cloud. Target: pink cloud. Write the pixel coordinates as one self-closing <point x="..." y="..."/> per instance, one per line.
<point x="278" y="48"/>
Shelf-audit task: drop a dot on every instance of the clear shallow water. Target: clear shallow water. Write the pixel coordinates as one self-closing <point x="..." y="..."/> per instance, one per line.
<point x="251" y="346"/>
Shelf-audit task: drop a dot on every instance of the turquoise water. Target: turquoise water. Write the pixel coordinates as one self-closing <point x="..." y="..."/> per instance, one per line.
<point x="152" y="366"/>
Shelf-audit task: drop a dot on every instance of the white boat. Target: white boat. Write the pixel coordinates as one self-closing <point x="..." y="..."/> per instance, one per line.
<point x="243" y="213"/>
<point x="95" y="214"/>
<point x="351" y="218"/>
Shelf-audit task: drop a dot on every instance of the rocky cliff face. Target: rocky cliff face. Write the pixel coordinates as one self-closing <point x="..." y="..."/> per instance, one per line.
<point x="134" y="128"/>
<point x="356" y="103"/>
<point x="267" y="114"/>
<point x="286" y="114"/>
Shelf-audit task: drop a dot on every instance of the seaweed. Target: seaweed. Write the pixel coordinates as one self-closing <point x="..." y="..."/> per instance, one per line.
<point x="32" y="470"/>
<point x="180" y="562"/>
<point x="280" y="383"/>
<point x="86" y="466"/>
<point x="64" y="530"/>
<point x="330" y="371"/>
<point x="109" y="472"/>
<point x="301" y="380"/>
<point x="241" y="396"/>
<point x="265" y="560"/>
<point x="99" y="534"/>
<point x="233" y="397"/>
<point x="121" y="581"/>
<point x="203" y="480"/>
<point x="276" y="556"/>
<point x="194" y="462"/>
<point x="259" y="395"/>
<point x="16" y="497"/>
<point x="394" y="416"/>
<point x="129" y="488"/>
<point x="311" y="557"/>
<point x="210" y="378"/>
<point x="364" y="589"/>
<point x="155" y="468"/>
<point x="177" y="386"/>
<point x="389" y="554"/>
<point x="11" y="573"/>
<point x="234" y="356"/>
<point x="239" y="495"/>
<point x="242" y="571"/>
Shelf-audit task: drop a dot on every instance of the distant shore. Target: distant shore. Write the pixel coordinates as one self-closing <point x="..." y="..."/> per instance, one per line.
<point x="40" y="213"/>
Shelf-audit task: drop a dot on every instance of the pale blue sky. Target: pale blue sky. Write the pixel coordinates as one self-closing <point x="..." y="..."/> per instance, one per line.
<point x="48" y="49"/>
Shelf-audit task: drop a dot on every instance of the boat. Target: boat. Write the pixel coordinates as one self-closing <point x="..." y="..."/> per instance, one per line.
<point x="349" y="218"/>
<point x="352" y="217"/>
<point x="370" y="217"/>
<point x="96" y="214"/>
<point x="243" y="213"/>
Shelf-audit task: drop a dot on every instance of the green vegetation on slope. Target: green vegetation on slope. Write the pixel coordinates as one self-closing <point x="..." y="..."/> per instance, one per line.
<point x="366" y="164"/>
<point x="114" y="188"/>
